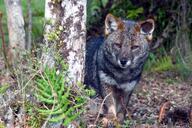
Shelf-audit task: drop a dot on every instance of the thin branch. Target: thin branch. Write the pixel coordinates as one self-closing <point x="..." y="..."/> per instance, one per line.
<point x="101" y="107"/>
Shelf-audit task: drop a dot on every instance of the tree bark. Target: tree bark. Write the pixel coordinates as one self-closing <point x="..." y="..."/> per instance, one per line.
<point x="15" y="28"/>
<point x="65" y="31"/>
<point x="74" y="35"/>
<point x="29" y="26"/>
<point x="70" y="18"/>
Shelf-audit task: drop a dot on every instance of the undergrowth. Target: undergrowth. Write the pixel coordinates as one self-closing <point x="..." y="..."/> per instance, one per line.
<point x="165" y="63"/>
<point x="60" y="100"/>
<point x="155" y="64"/>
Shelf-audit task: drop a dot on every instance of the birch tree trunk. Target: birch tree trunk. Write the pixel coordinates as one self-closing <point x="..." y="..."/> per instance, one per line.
<point x="15" y="28"/>
<point x="69" y="16"/>
<point x="74" y="35"/>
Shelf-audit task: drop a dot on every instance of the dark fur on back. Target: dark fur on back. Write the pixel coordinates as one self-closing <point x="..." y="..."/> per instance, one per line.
<point x="92" y="46"/>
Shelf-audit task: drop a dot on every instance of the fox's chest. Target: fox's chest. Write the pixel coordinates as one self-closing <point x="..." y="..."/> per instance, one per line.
<point x="126" y="86"/>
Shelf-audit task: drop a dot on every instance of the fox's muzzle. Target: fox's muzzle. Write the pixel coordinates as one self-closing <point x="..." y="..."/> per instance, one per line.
<point x="124" y="63"/>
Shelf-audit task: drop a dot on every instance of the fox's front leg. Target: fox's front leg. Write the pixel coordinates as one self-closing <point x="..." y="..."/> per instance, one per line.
<point x="121" y="100"/>
<point x="110" y="102"/>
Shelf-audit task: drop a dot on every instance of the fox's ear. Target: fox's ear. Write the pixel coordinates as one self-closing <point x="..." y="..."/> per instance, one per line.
<point x="147" y="27"/>
<point x="112" y="23"/>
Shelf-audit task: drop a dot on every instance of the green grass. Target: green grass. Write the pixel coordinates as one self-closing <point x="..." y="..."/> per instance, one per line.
<point x="161" y="64"/>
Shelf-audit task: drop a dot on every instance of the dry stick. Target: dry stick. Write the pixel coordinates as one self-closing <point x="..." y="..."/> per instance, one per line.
<point x="101" y="107"/>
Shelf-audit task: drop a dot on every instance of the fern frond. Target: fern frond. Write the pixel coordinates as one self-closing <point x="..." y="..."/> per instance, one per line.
<point x="53" y="91"/>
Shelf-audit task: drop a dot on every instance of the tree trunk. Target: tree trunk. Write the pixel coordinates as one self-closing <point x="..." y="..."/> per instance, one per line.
<point x="15" y="28"/>
<point x="74" y="35"/>
<point x="65" y="31"/>
<point x="29" y="26"/>
<point x="69" y="18"/>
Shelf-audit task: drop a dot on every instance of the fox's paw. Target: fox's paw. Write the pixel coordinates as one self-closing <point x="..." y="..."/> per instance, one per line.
<point x="107" y="123"/>
<point x="120" y="117"/>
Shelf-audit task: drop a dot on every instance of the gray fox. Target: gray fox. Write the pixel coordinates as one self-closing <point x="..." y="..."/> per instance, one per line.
<point x="114" y="63"/>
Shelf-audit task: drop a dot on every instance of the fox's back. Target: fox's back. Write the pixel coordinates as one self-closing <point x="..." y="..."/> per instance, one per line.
<point x="92" y="46"/>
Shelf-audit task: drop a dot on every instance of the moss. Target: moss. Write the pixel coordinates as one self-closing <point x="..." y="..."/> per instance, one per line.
<point x="2" y="125"/>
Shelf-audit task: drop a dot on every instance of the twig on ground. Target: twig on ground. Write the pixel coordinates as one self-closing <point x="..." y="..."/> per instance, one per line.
<point x="101" y="107"/>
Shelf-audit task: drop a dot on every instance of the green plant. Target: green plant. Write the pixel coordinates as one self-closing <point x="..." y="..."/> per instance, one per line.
<point x="150" y="61"/>
<point x="2" y="125"/>
<point x="61" y="101"/>
<point x="163" y="64"/>
<point x="34" y="120"/>
<point x="123" y="8"/>
<point x="134" y="13"/>
<point x="127" y="124"/>
<point x="155" y="64"/>
<point x="126" y="9"/>
<point x="3" y="88"/>
<point x="94" y="11"/>
<point x="184" y="69"/>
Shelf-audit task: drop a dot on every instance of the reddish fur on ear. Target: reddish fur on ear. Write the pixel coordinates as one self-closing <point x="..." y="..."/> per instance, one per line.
<point x="137" y="28"/>
<point x="113" y="23"/>
<point x="121" y="26"/>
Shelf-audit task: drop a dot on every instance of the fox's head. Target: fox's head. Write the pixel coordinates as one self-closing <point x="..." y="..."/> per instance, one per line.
<point x="127" y="42"/>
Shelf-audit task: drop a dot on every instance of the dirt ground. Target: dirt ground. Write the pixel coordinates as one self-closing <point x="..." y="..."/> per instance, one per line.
<point x="154" y="92"/>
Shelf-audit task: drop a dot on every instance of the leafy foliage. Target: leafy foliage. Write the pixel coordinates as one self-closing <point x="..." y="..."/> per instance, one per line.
<point x="127" y="124"/>
<point x="94" y="11"/>
<point x="183" y="69"/>
<point x="3" y="88"/>
<point x="163" y="64"/>
<point x="124" y="8"/>
<point x="155" y="64"/>
<point x="132" y="14"/>
<point x="34" y="119"/>
<point x="62" y="102"/>
<point x="2" y="125"/>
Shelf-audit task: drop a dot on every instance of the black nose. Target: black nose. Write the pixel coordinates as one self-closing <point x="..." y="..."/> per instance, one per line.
<point x="123" y="62"/>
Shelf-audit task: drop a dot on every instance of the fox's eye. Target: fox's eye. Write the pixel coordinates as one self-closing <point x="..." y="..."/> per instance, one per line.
<point x="134" y="47"/>
<point x="118" y="45"/>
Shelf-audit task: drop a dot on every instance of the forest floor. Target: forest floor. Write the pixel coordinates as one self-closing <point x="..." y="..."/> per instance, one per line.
<point x="161" y="98"/>
<point x="158" y="91"/>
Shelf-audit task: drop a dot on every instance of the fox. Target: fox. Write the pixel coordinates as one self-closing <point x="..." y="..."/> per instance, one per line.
<point x="114" y="62"/>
